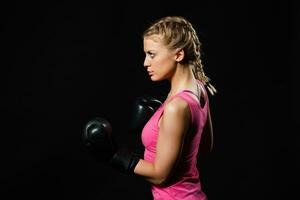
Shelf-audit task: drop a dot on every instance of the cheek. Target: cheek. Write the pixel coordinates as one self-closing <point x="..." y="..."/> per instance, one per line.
<point x="160" y="64"/>
<point x="159" y="67"/>
<point x="165" y="65"/>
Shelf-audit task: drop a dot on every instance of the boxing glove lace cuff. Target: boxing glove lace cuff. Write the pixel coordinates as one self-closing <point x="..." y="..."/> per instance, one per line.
<point x="124" y="161"/>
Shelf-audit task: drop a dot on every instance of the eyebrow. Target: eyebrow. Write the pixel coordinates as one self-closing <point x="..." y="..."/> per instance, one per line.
<point x="150" y="51"/>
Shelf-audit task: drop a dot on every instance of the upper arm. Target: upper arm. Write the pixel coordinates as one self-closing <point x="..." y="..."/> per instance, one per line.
<point x="173" y="127"/>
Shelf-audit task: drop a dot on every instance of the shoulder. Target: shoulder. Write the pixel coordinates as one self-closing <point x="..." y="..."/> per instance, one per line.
<point x="176" y="116"/>
<point x="176" y="106"/>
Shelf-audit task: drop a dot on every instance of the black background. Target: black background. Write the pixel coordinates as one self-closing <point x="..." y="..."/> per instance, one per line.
<point x="65" y="62"/>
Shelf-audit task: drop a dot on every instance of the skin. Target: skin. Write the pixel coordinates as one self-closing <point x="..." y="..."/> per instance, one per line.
<point x="163" y="63"/>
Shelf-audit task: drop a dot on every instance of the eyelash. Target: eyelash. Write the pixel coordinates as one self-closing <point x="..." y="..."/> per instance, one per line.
<point x="151" y="55"/>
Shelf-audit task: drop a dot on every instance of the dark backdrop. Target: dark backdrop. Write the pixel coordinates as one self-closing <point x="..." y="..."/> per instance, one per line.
<point x="64" y="62"/>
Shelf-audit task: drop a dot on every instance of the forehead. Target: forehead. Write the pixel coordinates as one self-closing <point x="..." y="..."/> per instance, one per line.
<point x="153" y="41"/>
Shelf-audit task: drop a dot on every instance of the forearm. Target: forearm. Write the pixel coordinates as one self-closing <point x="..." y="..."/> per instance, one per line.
<point x="151" y="173"/>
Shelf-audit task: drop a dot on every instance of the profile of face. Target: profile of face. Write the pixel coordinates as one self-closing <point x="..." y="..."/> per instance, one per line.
<point x="160" y="61"/>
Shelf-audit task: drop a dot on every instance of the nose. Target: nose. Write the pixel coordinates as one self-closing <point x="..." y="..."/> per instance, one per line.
<point x="146" y="62"/>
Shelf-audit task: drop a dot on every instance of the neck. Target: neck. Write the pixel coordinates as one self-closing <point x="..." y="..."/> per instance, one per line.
<point x="183" y="78"/>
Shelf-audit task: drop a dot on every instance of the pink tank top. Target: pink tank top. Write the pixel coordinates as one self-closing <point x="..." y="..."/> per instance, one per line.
<point x="185" y="182"/>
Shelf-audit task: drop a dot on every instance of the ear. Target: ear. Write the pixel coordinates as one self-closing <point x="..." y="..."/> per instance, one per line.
<point x="179" y="55"/>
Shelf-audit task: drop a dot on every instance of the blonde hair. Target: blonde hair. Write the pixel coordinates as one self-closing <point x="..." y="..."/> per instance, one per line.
<point x="178" y="32"/>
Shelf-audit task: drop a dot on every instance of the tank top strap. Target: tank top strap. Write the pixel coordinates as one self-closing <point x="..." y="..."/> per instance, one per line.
<point x="198" y="100"/>
<point x="201" y="90"/>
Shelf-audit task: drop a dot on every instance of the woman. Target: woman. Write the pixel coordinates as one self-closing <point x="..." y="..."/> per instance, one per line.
<point x="179" y="128"/>
<point x="172" y="135"/>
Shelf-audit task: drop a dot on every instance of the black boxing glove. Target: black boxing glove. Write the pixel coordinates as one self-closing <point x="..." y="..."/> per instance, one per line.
<point x="97" y="137"/>
<point x="143" y="108"/>
<point x="125" y="161"/>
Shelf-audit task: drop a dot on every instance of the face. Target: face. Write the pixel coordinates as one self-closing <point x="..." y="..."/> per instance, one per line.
<point x="159" y="61"/>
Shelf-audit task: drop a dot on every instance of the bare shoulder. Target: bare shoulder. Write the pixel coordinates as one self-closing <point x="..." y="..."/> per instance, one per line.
<point x="176" y="105"/>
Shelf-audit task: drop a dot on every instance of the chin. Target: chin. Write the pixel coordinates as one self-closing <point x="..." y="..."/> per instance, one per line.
<point x="154" y="78"/>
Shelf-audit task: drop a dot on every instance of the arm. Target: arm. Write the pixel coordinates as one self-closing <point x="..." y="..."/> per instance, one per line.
<point x="173" y="127"/>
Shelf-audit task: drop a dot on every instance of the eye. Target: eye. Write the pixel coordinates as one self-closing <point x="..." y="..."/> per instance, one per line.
<point x="151" y="54"/>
